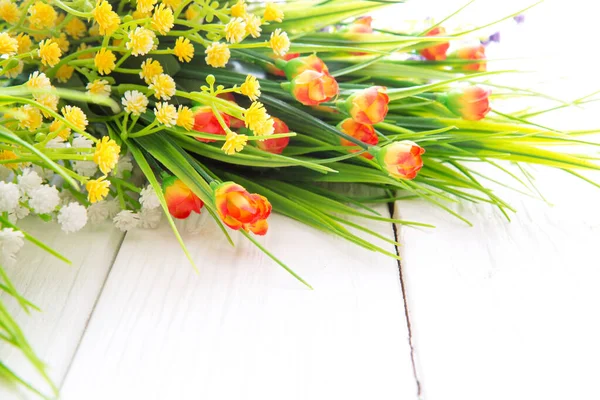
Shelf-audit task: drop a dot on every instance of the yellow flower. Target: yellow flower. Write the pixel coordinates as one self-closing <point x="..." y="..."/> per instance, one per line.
<point x="49" y="52"/>
<point x="193" y="12"/>
<point x="29" y="118"/>
<point x="235" y="30"/>
<point x="150" y="69"/>
<point x="145" y="6"/>
<point x="184" y="50"/>
<point x="163" y="86"/>
<point x="106" y="155"/>
<point x="14" y="71"/>
<point x="251" y="88"/>
<point x="255" y="115"/>
<point x="60" y="17"/>
<point x="84" y="56"/>
<point x="166" y="114"/>
<point x="238" y="9"/>
<point x="9" y="11"/>
<point x="105" y="61"/>
<point x="172" y="4"/>
<point x="24" y="43"/>
<point x="137" y="14"/>
<point x="162" y="19"/>
<point x="94" y="30"/>
<point x="280" y="43"/>
<point x="135" y="102"/>
<point x="64" y="73"/>
<point x="75" y="116"/>
<point x="76" y="28"/>
<point x="141" y="41"/>
<point x="48" y="100"/>
<point x="253" y="23"/>
<point x="62" y="42"/>
<point x="234" y="143"/>
<point x="185" y="118"/>
<point x="8" y="45"/>
<point x="63" y="130"/>
<point x="273" y="13"/>
<point x="217" y="54"/>
<point x="42" y="16"/>
<point x="97" y="189"/>
<point x="8" y="155"/>
<point x="108" y="20"/>
<point x="99" y="87"/>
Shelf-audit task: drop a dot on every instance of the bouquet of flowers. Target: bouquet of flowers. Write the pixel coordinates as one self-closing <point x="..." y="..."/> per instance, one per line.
<point x="137" y="110"/>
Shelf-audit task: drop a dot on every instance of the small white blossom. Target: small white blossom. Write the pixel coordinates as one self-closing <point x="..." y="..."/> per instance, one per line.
<point x="80" y="141"/>
<point x="9" y="196"/>
<point x="46" y="174"/>
<point x="150" y="218"/>
<point x="126" y="220"/>
<point x="72" y="217"/>
<point x="11" y="242"/>
<point x="44" y="199"/>
<point x="98" y="212"/>
<point x="56" y="143"/>
<point x="113" y="208"/>
<point x="85" y="168"/>
<point x="148" y="198"/>
<point x="17" y="214"/>
<point x="123" y="165"/>
<point x="28" y="181"/>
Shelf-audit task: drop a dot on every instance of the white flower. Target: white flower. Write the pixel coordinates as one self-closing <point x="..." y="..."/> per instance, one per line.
<point x="56" y="143"/>
<point x="113" y="207"/>
<point x="29" y="180"/>
<point x="17" y="214"/>
<point x="123" y="165"/>
<point x="98" y="212"/>
<point x="150" y="218"/>
<point x="126" y="220"/>
<point x="44" y="199"/>
<point x="85" y="168"/>
<point x="135" y="102"/>
<point x="9" y="196"/>
<point x="66" y="197"/>
<point x="72" y="217"/>
<point x="46" y="174"/>
<point x="11" y="242"/>
<point x="81" y="141"/>
<point x="148" y="198"/>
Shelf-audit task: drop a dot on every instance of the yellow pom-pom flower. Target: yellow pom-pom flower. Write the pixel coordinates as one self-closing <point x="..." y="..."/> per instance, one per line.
<point x="234" y="143"/>
<point x="150" y="69"/>
<point x="9" y="11"/>
<point x="75" y="116"/>
<point x="49" y="101"/>
<point x="238" y="9"/>
<point x="253" y="23"/>
<point x="137" y="14"/>
<point x="106" y="154"/>
<point x="24" y="43"/>
<point x="273" y="13"/>
<point x="235" y="30"/>
<point x="145" y="6"/>
<point x="256" y="117"/>
<point x="105" y="61"/>
<point x="63" y="130"/>
<point x="97" y="189"/>
<point x="76" y="28"/>
<point x="163" y="86"/>
<point x="64" y="73"/>
<point x="279" y="43"/>
<point x="184" y="50"/>
<point x="14" y="71"/>
<point x="42" y="16"/>
<point x="38" y="80"/>
<point x="172" y="4"/>
<point x="134" y="102"/>
<point x="8" y="45"/>
<point x="217" y="55"/>
<point x="108" y="21"/>
<point x="6" y="155"/>
<point x="29" y="117"/>
<point x="251" y="88"/>
<point x="162" y="19"/>
<point x="185" y="118"/>
<point x="141" y="41"/>
<point x="62" y="42"/>
<point x="49" y="52"/>
<point x="99" y="87"/>
<point x="166" y="114"/>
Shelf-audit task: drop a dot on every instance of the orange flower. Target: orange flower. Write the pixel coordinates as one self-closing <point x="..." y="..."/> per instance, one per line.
<point x="364" y="133"/>
<point x="368" y="106"/>
<point x="311" y="87"/>
<point x="276" y="146"/>
<point x="271" y="68"/>
<point x="361" y="25"/>
<point x="472" y="53"/>
<point x="298" y="65"/>
<point x="206" y="121"/>
<point x="181" y="201"/>
<point x="401" y="159"/>
<point x="438" y="51"/>
<point x="239" y="209"/>
<point x="471" y="103"/>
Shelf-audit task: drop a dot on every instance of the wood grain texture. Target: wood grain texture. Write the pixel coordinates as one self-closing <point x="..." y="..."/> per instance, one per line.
<point x="507" y="310"/>
<point x="66" y="295"/>
<point x="243" y="328"/>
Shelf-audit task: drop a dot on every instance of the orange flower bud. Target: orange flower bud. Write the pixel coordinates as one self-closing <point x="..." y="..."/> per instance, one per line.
<point x="276" y="146"/>
<point x="296" y="66"/>
<point x="205" y="121"/>
<point x="361" y="25"/>
<point x="276" y="71"/>
<point x="401" y="159"/>
<point x="311" y="87"/>
<point x="181" y="201"/>
<point x="471" y="103"/>
<point x="368" y="106"/>
<point x="438" y="51"/>
<point x="472" y="53"/>
<point x="239" y="209"/>
<point x="364" y="133"/>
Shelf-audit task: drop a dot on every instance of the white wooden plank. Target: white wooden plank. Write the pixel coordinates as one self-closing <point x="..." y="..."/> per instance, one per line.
<point x="507" y="310"/>
<point x="244" y="328"/>
<point x="65" y="293"/>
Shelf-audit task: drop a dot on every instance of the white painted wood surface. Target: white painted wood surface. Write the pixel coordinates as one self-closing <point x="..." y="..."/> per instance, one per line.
<point x="244" y="328"/>
<point x="65" y="293"/>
